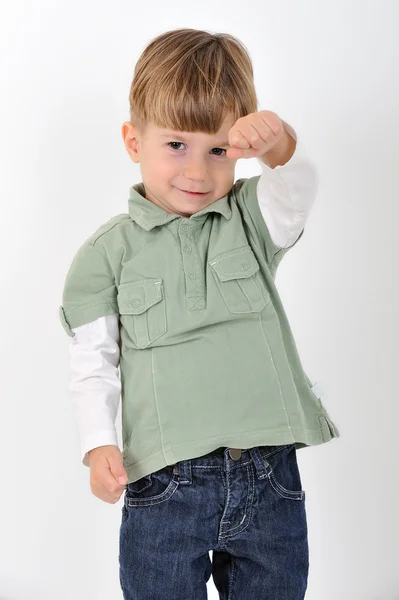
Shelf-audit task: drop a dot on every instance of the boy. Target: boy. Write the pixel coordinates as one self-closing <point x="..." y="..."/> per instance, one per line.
<point x="179" y="293"/>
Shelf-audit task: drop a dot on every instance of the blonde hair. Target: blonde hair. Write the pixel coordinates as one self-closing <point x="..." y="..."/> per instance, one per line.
<point x="188" y="80"/>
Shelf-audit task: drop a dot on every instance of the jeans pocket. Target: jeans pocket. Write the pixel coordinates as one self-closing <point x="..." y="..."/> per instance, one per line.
<point x="283" y="471"/>
<point x="151" y="489"/>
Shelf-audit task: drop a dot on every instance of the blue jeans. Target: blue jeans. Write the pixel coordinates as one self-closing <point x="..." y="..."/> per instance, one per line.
<point x="250" y="511"/>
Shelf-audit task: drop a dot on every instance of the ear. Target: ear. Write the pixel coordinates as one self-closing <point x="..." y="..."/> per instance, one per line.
<point x="130" y="138"/>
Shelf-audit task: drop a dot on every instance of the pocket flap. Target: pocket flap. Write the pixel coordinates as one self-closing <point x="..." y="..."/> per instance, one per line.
<point x="235" y="264"/>
<point x="137" y="297"/>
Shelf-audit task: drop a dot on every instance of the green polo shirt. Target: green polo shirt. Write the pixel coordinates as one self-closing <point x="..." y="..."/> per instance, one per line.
<point x="207" y="357"/>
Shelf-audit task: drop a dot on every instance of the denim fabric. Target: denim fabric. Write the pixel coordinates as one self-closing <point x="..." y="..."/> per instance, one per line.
<point x="250" y="512"/>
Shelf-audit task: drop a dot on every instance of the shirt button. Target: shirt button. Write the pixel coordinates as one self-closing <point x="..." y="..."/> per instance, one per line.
<point x="244" y="266"/>
<point x="187" y="248"/>
<point x="192" y="275"/>
<point x="184" y="227"/>
<point x="136" y="302"/>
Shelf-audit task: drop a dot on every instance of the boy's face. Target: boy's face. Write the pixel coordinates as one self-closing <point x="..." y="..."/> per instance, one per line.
<point x="171" y="162"/>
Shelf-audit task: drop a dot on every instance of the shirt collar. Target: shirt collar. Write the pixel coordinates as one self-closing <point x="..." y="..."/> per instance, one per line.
<point x="149" y="215"/>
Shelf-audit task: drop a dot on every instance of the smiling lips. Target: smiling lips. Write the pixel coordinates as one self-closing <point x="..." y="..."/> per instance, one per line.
<point x="194" y="193"/>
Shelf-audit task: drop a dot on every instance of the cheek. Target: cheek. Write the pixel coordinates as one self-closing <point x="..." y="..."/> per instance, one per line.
<point x="165" y="163"/>
<point x="225" y="174"/>
<point x="157" y="166"/>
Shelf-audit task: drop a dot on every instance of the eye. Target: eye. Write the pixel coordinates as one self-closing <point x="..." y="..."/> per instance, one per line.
<point x="181" y="143"/>
<point x="221" y="150"/>
<point x="169" y="144"/>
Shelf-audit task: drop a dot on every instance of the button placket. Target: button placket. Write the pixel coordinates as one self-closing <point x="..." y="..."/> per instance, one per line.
<point x="194" y="283"/>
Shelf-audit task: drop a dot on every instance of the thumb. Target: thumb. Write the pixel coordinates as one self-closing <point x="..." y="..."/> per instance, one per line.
<point x="118" y="470"/>
<point x="122" y="479"/>
<point x="235" y="153"/>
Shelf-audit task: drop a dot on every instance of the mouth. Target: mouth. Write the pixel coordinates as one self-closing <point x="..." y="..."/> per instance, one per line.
<point x="194" y="194"/>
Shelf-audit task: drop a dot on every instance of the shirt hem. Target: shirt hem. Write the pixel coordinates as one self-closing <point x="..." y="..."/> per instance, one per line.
<point x="193" y="449"/>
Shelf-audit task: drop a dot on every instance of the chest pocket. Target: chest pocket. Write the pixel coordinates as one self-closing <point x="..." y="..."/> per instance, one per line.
<point x="142" y="310"/>
<point x="237" y="276"/>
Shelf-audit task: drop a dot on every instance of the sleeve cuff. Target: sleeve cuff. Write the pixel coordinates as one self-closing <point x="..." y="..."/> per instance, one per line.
<point x="64" y="322"/>
<point x="95" y="440"/>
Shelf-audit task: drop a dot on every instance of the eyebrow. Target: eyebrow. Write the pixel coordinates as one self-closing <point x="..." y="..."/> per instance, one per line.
<point x="182" y="137"/>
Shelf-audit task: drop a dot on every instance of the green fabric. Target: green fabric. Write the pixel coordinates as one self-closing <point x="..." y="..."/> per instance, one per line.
<point x="208" y="358"/>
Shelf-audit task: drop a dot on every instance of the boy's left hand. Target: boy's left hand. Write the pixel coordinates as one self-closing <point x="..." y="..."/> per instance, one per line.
<point x="255" y="134"/>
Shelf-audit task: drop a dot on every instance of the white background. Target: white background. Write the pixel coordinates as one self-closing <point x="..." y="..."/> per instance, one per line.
<point x="330" y="69"/>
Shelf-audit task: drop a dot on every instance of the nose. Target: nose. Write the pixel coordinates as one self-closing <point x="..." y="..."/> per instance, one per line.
<point x="195" y="170"/>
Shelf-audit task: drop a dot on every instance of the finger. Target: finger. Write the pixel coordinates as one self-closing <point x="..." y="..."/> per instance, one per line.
<point x="252" y="153"/>
<point x="109" y="481"/>
<point x="276" y="129"/>
<point x="117" y="469"/>
<point x="265" y="135"/>
<point x="241" y="143"/>
<point x="255" y="138"/>
<point x="118" y="472"/>
<point x="238" y="140"/>
<point x="260" y="138"/>
<point x="235" y="153"/>
<point x="258" y="142"/>
<point x="104" y="486"/>
<point x="106" y="469"/>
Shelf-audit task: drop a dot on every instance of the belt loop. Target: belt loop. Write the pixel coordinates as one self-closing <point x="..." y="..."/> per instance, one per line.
<point x="184" y="471"/>
<point x="262" y="466"/>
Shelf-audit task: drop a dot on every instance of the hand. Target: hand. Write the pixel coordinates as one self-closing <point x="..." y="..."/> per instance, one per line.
<point x="106" y="467"/>
<point x="255" y="134"/>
